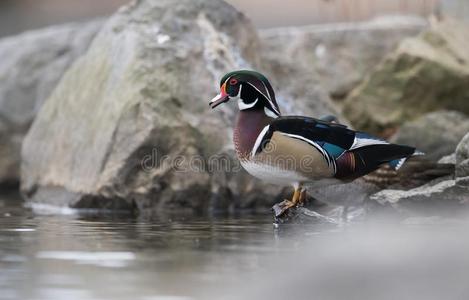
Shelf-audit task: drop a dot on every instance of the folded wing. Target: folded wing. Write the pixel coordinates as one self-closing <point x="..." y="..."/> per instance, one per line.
<point x="352" y="154"/>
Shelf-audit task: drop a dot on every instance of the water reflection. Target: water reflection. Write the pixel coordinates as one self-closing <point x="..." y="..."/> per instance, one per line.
<point x="121" y="257"/>
<point x="227" y="257"/>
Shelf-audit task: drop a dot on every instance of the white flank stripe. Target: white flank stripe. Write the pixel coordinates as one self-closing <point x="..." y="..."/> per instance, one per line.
<point x="358" y="143"/>
<point x="259" y="140"/>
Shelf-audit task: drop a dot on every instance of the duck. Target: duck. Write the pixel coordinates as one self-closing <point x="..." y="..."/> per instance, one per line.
<point x="298" y="151"/>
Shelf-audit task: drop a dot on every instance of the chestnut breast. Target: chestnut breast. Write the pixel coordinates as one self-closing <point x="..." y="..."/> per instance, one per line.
<point x="249" y="125"/>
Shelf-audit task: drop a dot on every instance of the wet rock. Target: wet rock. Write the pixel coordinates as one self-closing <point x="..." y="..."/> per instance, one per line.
<point x="351" y="200"/>
<point x="440" y="197"/>
<point x="437" y="133"/>
<point x="338" y="55"/>
<point x="352" y="194"/>
<point x="448" y="159"/>
<point x="415" y="172"/>
<point x="462" y="158"/>
<point x="32" y="63"/>
<point x="129" y="126"/>
<point x="328" y="205"/>
<point x="303" y="215"/>
<point x="426" y="73"/>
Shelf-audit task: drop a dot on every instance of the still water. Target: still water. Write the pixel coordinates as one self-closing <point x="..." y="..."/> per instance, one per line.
<point x="112" y="256"/>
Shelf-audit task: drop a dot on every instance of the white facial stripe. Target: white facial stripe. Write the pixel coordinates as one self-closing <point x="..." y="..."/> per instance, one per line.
<point x="257" y="90"/>
<point x="243" y="106"/>
<point x="268" y="99"/>
<point x="268" y="93"/>
<point x="274" y="108"/>
<point x="269" y="113"/>
<point x="259" y="140"/>
<point x="274" y="113"/>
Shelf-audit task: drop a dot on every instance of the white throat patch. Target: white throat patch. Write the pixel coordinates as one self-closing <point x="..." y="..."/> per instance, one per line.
<point x="243" y="106"/>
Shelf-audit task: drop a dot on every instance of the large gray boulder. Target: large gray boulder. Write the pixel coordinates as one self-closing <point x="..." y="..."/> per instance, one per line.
<point x="444" y="196"/>
<point x="339" y="55"/>
<point x="426" y="73"/>
<point x="437" y="133"/>
<point x="129" y="126"/>
<point x="32" y="64"/>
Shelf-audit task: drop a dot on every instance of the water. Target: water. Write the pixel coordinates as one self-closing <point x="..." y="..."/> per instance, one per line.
<point x="112" y="256"/>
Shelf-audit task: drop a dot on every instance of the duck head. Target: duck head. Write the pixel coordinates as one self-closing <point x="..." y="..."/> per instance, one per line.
<point x="251" y="89"/>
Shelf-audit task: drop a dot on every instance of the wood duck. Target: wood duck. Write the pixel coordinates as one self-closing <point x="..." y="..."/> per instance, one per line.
<point x="296" y="150"/>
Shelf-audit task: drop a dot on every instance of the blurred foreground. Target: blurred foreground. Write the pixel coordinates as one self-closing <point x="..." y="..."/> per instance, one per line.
<point x="176" y="257"/>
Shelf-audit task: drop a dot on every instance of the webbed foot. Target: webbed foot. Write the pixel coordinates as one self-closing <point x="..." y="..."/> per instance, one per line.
<point x="282" y="207"/>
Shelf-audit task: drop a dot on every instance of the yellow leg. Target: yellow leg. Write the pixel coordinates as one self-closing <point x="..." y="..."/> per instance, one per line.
<point x="282" y="207"/>
<point x="302" y="196"/>
<point x="296" y="196"/>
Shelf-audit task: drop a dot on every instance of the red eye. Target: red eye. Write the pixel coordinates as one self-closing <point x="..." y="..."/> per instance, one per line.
<point x="233" y="81"/>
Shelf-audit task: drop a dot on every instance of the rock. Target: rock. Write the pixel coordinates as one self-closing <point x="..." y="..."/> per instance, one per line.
<point x="462" y="158"/>
<point x="442" y="198"/>
<point x="340" y="55"/>
<point x="303" y="215"/>
<point x="129" y="126"/>
<point x="35" y="62"/>
<point x="352" y="194"/>
<point x="439" y="197"/>
<point x="415" y="172"/>
<point x="437" y="133"/>
<point x="448" y="159"/>
<point x="426" y="73"/>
